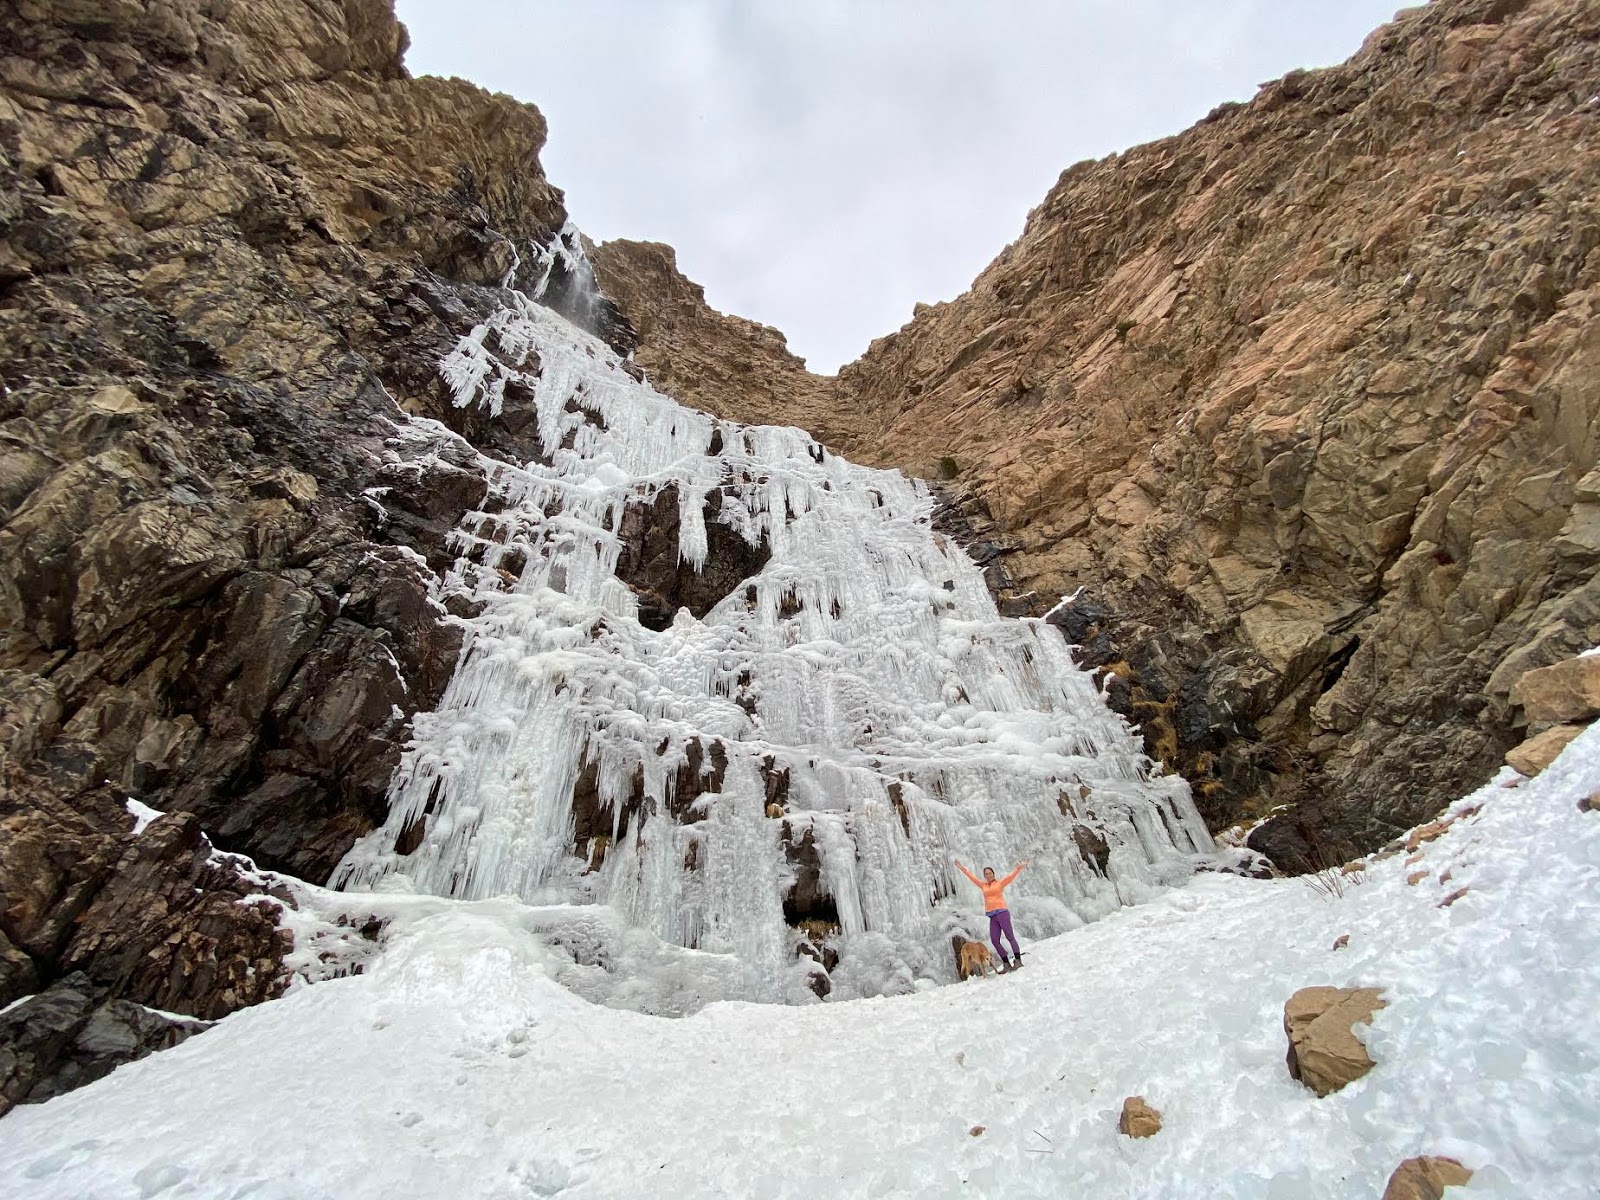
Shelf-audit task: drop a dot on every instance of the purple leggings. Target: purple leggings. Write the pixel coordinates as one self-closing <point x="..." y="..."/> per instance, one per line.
<point x="1000" y="922"/>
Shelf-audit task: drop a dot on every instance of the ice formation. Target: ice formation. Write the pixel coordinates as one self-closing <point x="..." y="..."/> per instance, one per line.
<point x="784" y="778"/>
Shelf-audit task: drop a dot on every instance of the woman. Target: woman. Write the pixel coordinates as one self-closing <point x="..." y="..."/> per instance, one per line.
<point x="994" y="907"/>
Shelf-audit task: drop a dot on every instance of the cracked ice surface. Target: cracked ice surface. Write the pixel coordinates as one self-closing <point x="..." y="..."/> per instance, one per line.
<point x="866" y="661"/>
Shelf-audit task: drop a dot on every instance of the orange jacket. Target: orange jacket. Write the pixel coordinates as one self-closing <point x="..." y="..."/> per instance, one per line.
<point x="994" y="894"/>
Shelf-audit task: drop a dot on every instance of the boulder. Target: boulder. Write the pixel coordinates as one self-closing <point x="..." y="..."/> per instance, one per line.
<point x="1138" y="1119"/>
<point x="1323" y="1051"/>
<point x="1538" y="752"/>
<point x="71" y="1034"/>
<point x="1567" y="691"/>
<point x="1425" y="1178"/>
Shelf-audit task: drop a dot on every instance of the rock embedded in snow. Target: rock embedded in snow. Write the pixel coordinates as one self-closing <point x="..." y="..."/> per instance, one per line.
<point x="1590" y="803"/>
<point x="1566" y="691"/>
<point x="1138" y="1119"/>
<point x="1324" y="1053"/>
<point x="1424" y="833"/>
<point x="71" y="1034"/>
<point x="1538" y="752"/>
<point x="1425" y="1178"/>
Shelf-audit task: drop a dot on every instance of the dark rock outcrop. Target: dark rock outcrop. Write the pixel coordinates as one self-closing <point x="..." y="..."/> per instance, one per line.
<point x="235" y="242"/>
<point x="651" y="566"/>
<point x="71" y="1034"/>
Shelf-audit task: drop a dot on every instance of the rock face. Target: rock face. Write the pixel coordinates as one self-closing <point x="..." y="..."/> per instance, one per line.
<point x="724" y="364"/>
<point x="1323" y="1051"/>
<point x="235" y="242"/>
<point x="1302" y="398"/>
<point x="1138" y="1119"/>
<point x="1425" y="1178"/>
<point x="70" y="1034"/>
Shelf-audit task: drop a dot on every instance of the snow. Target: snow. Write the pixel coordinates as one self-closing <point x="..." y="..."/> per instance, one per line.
<point x="142" y="815"/>
<point x="456" y="1066"/>
<point x="1062" y="604"/>
<point x="865" y="663"/>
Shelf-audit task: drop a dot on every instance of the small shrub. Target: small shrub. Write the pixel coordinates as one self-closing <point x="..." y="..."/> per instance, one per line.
<point x="1332" y="883"/>
<point x="1123" y="326"/>
<point x="948" y="468"/>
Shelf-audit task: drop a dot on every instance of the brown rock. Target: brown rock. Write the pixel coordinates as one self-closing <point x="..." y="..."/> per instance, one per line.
<point x="1425" y="833"/>
<point x="169" y="927"/>
<point x="1538" y="752"/>
<point x="1323" y="1051"/>
<point x="725" y="364"/>
<point x="1453" y="897"/>
<point x="1590" y="803"/>
<point x="1340" y="942"/>
<point x="1565" y="691"/>
<point x="1138" y="1119"/>
<point x="975" y="1131"/>
<point x="1425" y="1178"/>
<point x="1261" y="390"/>
<point x="234" y="240"/>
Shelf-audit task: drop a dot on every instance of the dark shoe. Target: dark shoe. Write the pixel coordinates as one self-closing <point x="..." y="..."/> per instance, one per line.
<point x="1016" y="963"/>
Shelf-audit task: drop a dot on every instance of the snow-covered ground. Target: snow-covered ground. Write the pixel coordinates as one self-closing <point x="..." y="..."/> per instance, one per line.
<point x="455" y="1067"/>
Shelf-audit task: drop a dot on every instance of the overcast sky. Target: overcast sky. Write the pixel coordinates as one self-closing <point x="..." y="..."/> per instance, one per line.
<point x="821" y="165"/>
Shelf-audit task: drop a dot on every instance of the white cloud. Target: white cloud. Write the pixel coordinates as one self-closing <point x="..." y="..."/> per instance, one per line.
<point x="822" y="166"/>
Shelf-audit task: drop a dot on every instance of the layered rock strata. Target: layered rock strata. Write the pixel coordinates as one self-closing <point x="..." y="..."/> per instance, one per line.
<point x="235" y="241"/>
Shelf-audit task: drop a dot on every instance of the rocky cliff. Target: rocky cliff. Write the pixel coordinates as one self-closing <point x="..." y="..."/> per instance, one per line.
<point x="1303" y="400"/>
<point x="724" y="364"/>
<point x="235" y="241"/>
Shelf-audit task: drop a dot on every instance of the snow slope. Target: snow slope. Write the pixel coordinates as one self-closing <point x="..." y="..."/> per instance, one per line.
<point x="456" y="1067"/>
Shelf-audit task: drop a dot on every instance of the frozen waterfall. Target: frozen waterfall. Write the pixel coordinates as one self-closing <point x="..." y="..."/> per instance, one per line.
<point x="769" y="789"/>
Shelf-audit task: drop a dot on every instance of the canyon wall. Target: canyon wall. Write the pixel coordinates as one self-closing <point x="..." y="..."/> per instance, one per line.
<point x="1298" y="405"/>
<point x="235" y="241"/>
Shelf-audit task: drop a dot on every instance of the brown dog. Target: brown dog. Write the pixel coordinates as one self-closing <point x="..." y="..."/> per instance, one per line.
<point x="974" y="959"/>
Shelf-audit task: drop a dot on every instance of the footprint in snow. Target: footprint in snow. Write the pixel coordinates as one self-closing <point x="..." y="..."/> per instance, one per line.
<point x="157" y="1177"/>
<point x="59" y="1160"/>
